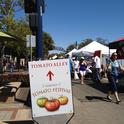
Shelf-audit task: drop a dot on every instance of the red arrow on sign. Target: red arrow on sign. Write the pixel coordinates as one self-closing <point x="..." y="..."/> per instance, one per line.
<point x="50" y="74"/>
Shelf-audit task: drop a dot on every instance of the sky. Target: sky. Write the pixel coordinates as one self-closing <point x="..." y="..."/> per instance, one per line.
<point x="68" y="21"/>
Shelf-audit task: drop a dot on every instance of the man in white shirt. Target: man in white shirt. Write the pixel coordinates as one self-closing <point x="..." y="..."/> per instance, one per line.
<point x="97" y="68"/>
<point x="75" y="67"/>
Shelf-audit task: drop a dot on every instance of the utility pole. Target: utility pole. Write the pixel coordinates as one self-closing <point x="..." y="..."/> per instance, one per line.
<point x="39" y="32"/>
<point x="76" y="45"/>
<point x="35" y="9"/>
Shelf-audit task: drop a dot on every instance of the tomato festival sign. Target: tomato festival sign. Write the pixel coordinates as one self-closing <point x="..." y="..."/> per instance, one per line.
<point x="50" y="84"/>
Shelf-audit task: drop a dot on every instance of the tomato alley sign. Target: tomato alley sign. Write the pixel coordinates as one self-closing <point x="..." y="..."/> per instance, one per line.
<point x="51" y="91"/>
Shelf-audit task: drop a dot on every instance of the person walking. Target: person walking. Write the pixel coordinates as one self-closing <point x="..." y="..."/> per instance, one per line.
<point x="4" y="65"/>
<point x="113" y="74"/>
<point x="97" y="69"/>
<point x="70" y="64"/>
<point x="75" y="68"/>
<point x="11" y="65"/>
<point x="82" y="69"/>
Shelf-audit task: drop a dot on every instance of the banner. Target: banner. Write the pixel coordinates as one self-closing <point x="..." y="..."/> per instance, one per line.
<point x="97" y="53"/>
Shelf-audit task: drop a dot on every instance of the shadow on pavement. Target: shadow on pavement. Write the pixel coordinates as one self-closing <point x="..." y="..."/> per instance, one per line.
<point x="103" y="87"/>
<point x="95" y="98"/>
<point x="21" y="122"/>
<point x="99" y="86"/>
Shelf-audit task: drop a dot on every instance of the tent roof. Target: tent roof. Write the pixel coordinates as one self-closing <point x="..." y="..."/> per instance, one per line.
<point x="117" y="43"/>
<point x="94" y="46"/>
<point x="119" y="39"/>
<point x="4" y="36"/>
<point x="9" y="37"/>
<point x="72" y="51"/>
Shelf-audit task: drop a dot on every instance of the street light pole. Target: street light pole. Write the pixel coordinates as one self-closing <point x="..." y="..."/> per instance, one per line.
<point x="39" y="42"/>
<point x="36" y="8"/>
<point x="76" y="45"/>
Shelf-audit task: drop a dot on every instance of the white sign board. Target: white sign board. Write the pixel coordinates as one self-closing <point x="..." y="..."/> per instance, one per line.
<point x="51" y="92"/>
<point x="31" y="41"/>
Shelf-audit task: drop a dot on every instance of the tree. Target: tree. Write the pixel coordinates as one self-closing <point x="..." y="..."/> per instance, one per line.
<point x="102" y="41"/>
<point x="85" y="42"/>
<point x="70" y="47"/>
<point x="9" y="7"/>
<point x="19" y="28"/>
<point x="80" y="45"/>
<point x="48" y="44"/>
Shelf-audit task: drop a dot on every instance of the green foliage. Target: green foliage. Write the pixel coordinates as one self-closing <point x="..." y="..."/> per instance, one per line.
<point x="70" y="47"/>
<point x="14" y="27"/>
<point x="17" y="28"/>
<point x="20" y="29"/>
<point x="48" y="43"/>
<point x="9" y="7"/>
<point x="86" y="42"/>
<point x="102" y="41"/>
<point x="80" y="45"/>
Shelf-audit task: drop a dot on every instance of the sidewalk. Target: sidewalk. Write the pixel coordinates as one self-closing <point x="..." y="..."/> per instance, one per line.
<point x="90" y="107"/>
<point x="11" y="110"/>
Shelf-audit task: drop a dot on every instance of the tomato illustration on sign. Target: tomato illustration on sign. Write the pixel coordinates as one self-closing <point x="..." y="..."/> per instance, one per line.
<point x="63" y="100"/>
<point x="52" y="105"/>
<point x="42" y="101"/>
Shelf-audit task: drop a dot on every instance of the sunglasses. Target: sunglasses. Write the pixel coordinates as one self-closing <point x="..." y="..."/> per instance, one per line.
<point x="114" y="55"/>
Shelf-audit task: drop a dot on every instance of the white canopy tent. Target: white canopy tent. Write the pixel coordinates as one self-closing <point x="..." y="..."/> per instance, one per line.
<point x="71" y="52"/>
<point x="94" y="46"/>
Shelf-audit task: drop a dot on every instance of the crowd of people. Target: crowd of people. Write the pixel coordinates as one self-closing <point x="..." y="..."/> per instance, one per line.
<point x="112" y="70"/>
<point x="9" y="65"/>
<point x="83" y="67"/>
<point x="6" y="64"/>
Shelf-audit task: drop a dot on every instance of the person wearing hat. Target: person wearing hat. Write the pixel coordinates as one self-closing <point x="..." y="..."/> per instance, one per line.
<point x="82" y="69"/>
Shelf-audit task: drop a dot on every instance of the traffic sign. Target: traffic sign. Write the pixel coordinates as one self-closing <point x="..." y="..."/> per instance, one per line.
<point x="31" y="41"/>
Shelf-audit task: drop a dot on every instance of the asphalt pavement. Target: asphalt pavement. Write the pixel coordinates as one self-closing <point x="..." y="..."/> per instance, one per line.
<point x="92" y="107"/>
